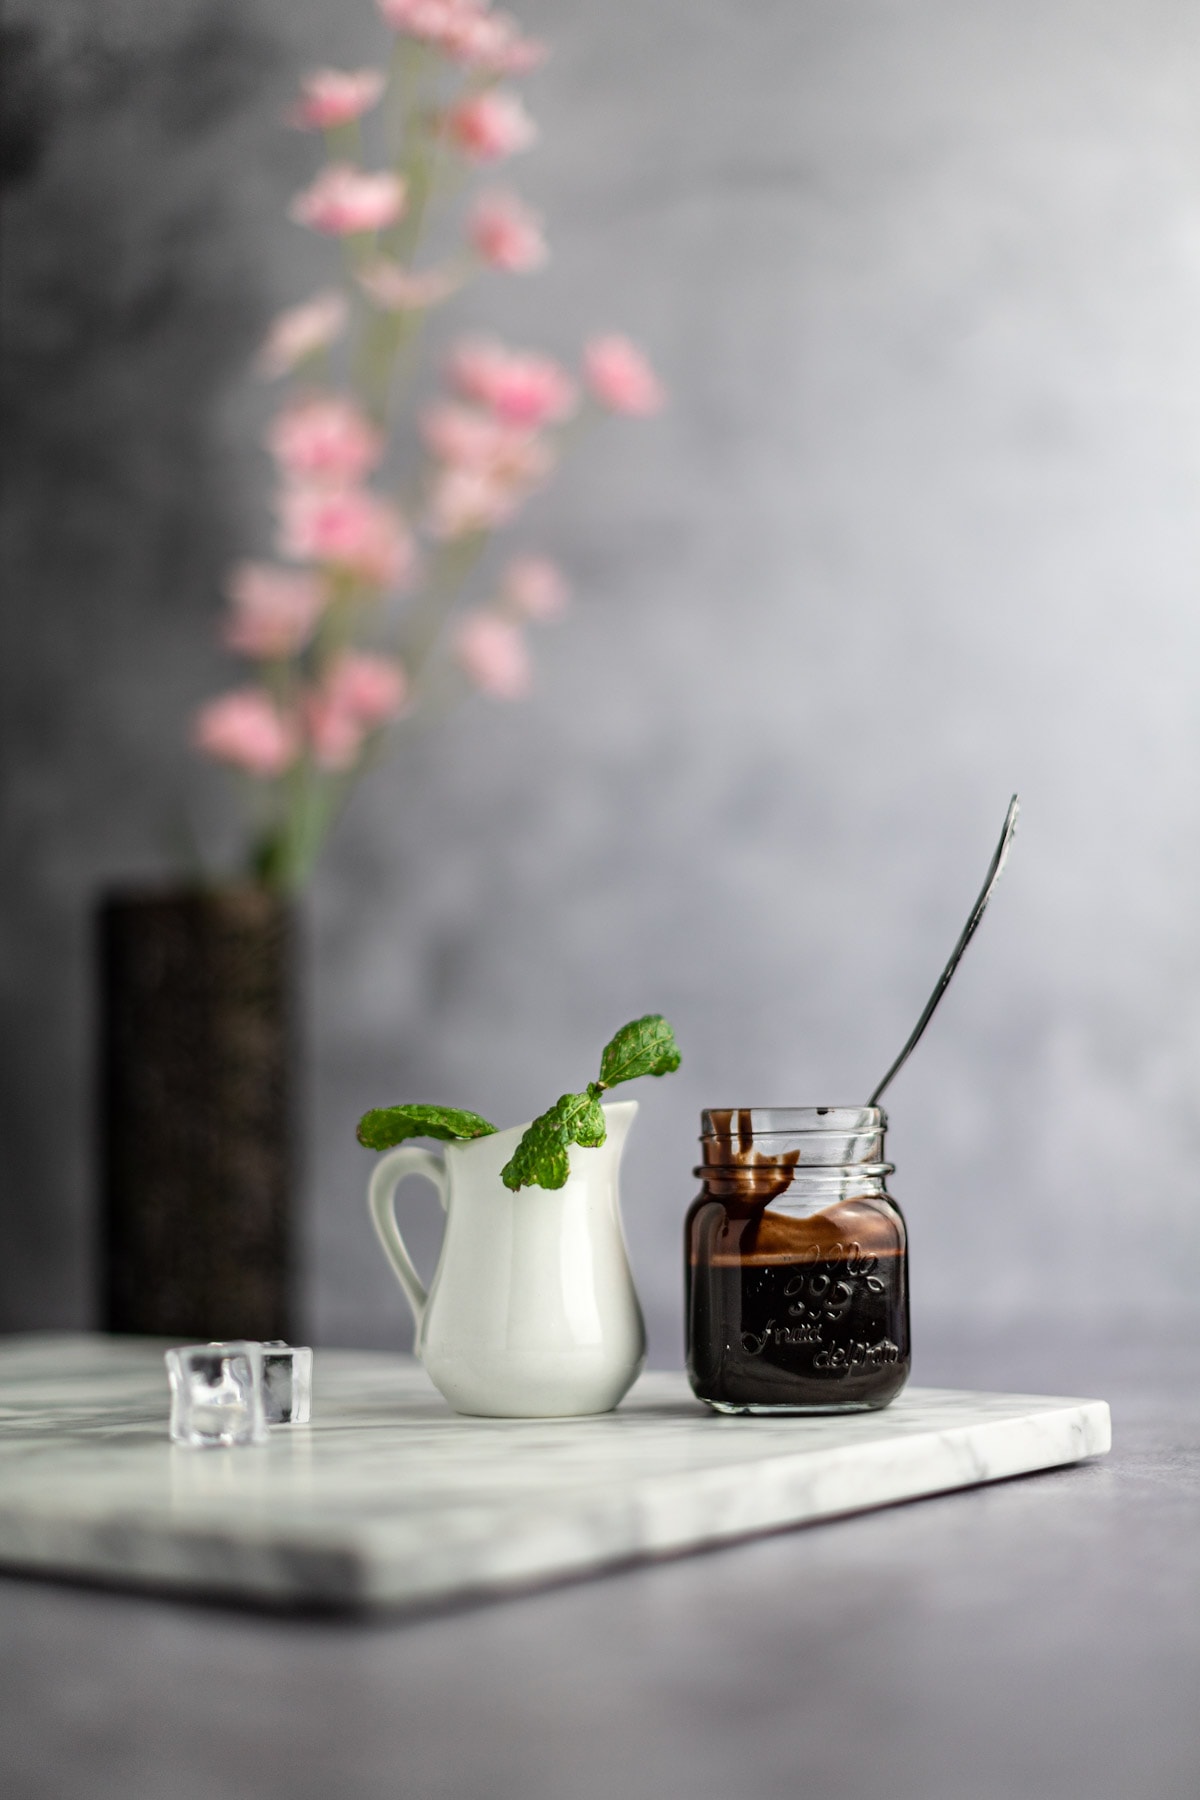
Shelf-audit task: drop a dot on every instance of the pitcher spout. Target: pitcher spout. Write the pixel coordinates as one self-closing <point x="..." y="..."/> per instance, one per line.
<point x="619" y="1116"/>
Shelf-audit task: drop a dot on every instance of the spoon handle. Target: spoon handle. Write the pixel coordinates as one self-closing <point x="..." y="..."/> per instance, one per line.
<point x="956" y="955"/>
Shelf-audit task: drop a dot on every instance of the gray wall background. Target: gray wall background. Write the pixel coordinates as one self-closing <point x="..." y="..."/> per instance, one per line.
<point x="919" y="528"/>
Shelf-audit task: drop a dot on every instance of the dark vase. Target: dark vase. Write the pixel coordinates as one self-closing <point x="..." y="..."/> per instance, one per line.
<point x="195" y="1058"/>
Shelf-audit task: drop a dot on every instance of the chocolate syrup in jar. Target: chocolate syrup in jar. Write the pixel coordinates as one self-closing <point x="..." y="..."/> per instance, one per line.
<point x="796" y="1263"/>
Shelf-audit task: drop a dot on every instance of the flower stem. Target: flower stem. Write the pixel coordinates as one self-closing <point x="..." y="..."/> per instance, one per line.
<point x="447" y="577"/>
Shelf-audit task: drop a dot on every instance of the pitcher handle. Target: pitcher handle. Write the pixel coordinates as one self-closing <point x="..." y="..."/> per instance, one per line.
<point x="381" y="1194"/>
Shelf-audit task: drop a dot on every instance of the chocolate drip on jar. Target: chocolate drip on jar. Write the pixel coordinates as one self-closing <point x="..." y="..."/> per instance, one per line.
<point x="733" y="1166"/>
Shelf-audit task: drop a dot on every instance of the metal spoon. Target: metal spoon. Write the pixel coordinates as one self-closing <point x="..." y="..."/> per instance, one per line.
<point x="943" y="982"/>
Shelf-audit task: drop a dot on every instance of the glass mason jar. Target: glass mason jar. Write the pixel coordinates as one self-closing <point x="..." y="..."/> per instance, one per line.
<point x="796" y="1263"/>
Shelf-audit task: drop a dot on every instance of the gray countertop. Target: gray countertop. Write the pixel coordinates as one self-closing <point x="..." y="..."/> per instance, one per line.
<point x="1040" y="1638"/>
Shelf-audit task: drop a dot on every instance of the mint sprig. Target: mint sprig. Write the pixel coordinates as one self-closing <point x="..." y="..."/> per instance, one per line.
<point x="384" y="1126"/>
<point x="543" y="1156"/>
<point x="643" y="1047"/>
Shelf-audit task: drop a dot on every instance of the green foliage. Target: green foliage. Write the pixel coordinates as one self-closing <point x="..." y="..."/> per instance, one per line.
<point x="644" y="1047"/>
<point x="543" y="1156"/>
<point x="388" y="1125"/>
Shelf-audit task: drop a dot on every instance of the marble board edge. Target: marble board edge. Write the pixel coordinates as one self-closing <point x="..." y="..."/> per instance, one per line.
<point x="368" y="1565"/>
<point x="787" y="1492"/>
<point x="662" y="1515"/>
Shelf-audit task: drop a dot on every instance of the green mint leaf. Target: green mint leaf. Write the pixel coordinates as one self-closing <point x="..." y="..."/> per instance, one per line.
<point x="388" y="1125"/>
<point x="643" y="1047"/>
<point x="589" y="1124"/>
<point x="542" y="1158"/>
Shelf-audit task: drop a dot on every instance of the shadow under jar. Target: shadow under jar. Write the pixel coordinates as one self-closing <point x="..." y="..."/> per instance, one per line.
<point x="796" y="1263"/>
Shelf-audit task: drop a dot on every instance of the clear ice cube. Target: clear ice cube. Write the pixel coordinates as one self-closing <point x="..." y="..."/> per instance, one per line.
<point x="287" y="1379"/>
<point x="217" y="1395"/>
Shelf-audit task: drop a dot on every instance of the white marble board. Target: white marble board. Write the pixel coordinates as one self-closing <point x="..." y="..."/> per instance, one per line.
<point x="389" y="1499"/>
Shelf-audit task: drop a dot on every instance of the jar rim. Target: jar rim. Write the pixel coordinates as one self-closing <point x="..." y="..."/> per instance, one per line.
<point x="800" y="1172"/>
<point x="772" y="1121"/>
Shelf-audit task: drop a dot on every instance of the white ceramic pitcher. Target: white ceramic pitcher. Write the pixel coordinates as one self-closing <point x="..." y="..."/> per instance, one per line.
<point x="532" y="1311"/>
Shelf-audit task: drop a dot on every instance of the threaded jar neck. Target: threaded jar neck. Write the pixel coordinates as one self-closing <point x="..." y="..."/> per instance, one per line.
<point x="811" y="1153"/>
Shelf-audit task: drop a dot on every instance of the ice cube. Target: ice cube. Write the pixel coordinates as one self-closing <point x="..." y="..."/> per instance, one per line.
<point x="217" y="1395"/>
<point x="287" y="1378"/>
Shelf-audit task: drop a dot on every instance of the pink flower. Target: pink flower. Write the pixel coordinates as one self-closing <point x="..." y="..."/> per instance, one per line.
<point x="371" y="688"/>
<point x="344" y="201"/>
<point x="489" y="468"/>
<point x="475" y="439"/>
<point x="397" y="289"/>
<point x="513" y="55"/>
<point x="347" y="528"/>
<point x="428" y="20"/>
<point x="493" y="653"/>
<point x="490" y="125"/>
<point x="535" y="588"/>
<point x="506" y="233"/>
<point x="465" y="500"/>
<point x="334" y="737"/>
<point x="466" y="31"/>
<point x="491" y="40"/>
<point x="619" y="377"/>
<point x="301" y="331"/>
<point x="461" y="434"/>
<point x="361" y="693"/>
<point x="324" y="438"/>
<point x="246" y="729"/>
<point x="332" y="97"/>
<point x="274" y="610"/>
<point x="522" y="387"/>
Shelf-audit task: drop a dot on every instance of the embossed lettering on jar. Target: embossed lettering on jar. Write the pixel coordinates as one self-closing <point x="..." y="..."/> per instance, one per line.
<point x="796" y="1263"/>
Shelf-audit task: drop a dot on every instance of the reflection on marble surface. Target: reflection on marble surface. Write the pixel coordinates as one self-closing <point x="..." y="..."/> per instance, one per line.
<point x="388" y="1498"/>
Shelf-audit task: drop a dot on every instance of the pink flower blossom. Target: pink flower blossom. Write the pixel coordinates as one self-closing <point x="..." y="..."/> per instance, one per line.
<point x="344" y="201"/>
<point x="347" y="528"/>
<point x="324" y="439"/>
<point x="371" y="688"/>
<point x="397" y="289"/>
<point x="465" y="500"/>
<point x="513" y="55"/>
<point x="535" y="588"/>
<point x="506" y="233"/>
<point x="493" y="652"/>
<point x="488" y="40"/>
<point x="361" y="693"/>
<point x="275" y="611"/>
<point x="490" y="125"/>
<point x="334" y="737"/>
<point x="468" y="32"/>
<point x="489" y="468"/>
<point x="428" y="20"/>
<point x="619" y="377"/>
<point x="520" y="386"/>
<point x="301" y="331"/>
<point x="246" y="729"/>
<point x="470" y="437"/>
<point x="332" y="97"/>
<point x="461" y="434"/>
